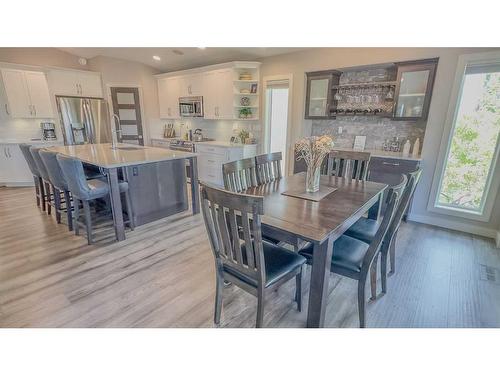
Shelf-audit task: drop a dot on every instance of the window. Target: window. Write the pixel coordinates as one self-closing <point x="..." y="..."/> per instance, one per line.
<point x="470" y="163"/>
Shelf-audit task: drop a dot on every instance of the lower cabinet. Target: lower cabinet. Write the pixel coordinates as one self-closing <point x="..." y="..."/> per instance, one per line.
<point x="211" y="158"/>
<point x="14" y="170"/>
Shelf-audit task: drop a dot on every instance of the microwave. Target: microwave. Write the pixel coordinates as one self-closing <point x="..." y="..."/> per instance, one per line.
<point x="191" y="106"/>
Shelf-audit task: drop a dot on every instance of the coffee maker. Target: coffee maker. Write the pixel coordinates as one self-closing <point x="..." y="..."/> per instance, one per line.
<point x="48" y="131"/>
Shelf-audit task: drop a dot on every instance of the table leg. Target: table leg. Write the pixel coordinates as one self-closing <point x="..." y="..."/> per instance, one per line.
<point x="195" y="190"/>
<point x="374" y="211"/>
<point x="320" y="274"/>
<point x="116" y="204"/>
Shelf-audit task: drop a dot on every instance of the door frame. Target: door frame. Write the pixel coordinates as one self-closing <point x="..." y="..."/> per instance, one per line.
<point x="494" y="181"/>
<point x="290" y="149"/>
<point x="145" y="129"/>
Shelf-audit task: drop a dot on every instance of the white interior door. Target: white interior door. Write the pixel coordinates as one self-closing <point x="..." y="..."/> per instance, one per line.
<point x="39" y="94"/>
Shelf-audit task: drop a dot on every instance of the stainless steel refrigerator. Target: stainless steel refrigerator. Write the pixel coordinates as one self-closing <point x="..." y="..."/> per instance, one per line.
<point x="84" y="120"/>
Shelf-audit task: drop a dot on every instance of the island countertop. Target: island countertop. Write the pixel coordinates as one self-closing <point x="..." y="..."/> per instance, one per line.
<point x="102" y="155"/>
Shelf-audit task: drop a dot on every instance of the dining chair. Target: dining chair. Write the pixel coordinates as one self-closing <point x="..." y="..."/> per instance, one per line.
<point x="240" y="175"/>
<point x="48" y="193"/>
<point x="242" y="257"/>
<point x="85" y="191"/>
<point x="353" y="258"/>
<point x="268" y="167"/>
<point x="59" y="185"/>
<point x="365" y="229"/>
<point x="346" y="163"/>
<point x="39" y="189"/>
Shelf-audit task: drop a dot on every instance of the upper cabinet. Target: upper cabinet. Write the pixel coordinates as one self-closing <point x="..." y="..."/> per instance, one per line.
<point x="76" y="83"/>
<point x="415" y="81"/>
<point x="229" y="91"/>
<point x="27" y="94"/>
<point x="400" y="91"/>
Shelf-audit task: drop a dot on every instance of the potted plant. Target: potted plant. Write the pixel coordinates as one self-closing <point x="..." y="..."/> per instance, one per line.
<point x="245" y="113"/>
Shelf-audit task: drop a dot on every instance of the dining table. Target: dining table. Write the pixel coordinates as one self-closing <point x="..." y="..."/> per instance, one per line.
<point x="293" y="220"/>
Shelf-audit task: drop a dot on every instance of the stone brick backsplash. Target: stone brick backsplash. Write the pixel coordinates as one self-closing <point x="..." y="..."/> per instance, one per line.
<point x="377" y="130"/>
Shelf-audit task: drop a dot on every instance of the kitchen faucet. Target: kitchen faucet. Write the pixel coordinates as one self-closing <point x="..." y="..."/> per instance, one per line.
<point x="114" y="130"/>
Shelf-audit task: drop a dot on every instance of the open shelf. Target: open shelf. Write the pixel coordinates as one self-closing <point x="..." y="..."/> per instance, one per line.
<point x="366" y="84"/>
<point x="243" y="94"/>
<point x="246" y="106"/>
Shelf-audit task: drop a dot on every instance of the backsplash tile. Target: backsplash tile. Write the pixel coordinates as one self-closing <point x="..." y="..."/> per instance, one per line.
<point x="376" y="130"/>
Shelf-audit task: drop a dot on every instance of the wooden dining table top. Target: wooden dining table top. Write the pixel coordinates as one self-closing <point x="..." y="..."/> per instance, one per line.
<point x="316" y="221"/>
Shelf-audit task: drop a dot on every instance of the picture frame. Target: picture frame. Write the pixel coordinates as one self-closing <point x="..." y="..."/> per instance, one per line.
<point x="253" y="88"/>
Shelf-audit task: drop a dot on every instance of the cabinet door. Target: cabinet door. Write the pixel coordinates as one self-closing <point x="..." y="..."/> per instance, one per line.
<point x="163" y="97"/>
<point x="90" y="84"/>
<point x="19" y="172"/>
<point x="17" y="93"/>
<point x="39" y="94"/>
<point x="414" y="90"/>
<point x="210" y="95"/>
<point x="318" y="95"/>
<point x="225" y="97"/>
<point x="64" y="82"/>
<point x="173" y="97"/>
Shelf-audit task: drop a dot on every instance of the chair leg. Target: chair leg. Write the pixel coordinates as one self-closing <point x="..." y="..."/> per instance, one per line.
<point x="383" y="271"/>
<point x="57" y="204"/>
<point x="361" y="302"/>
<point x="219" y="287"/>
<point x="76" y="216"/>
<point x="129" y="211"/>
<point x="373" y="278"/>
<point x="298" y="289"/>
<point x="88" y="221"/>
<point x="69" y="208"/>
<point x="392" y="254"/>
<point x="37" y="191"/>
<point x="42" y="193"/>
<point x="260" y="307"/>
<point x="48" y="199"/>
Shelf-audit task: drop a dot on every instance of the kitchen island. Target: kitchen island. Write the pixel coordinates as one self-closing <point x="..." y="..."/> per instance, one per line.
<point x="157" y="179"/>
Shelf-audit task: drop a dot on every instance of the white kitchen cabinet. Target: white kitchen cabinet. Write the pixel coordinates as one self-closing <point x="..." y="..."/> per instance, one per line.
<point x="27" y="94"/>
<point x="14" y="170"/>
<point x="211" y="158"/>
<point x="76" y="83"/>
<point x="168" y="95"/>
<point x="210" y="95"/>
<point x="218" y="94"/>
<point x="191" y="85"/>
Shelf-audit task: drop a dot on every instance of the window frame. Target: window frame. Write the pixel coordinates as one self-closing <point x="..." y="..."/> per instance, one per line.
<point x="493" y="182"/>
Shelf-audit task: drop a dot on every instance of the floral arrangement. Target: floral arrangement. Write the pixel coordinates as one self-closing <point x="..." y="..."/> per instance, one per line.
<point x="313" y="150"/>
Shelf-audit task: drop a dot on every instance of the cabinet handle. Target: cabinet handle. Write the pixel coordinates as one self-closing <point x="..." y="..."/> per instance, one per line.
<point x="7" y="109"/>
<point x="5" y="152"/>
<point x="34" y="110"/>
<point x="387" y="163"/>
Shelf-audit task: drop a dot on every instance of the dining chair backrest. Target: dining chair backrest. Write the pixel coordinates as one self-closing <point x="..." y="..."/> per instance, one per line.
<point x="49" y="159"/>
<point x="268" y="167"/>
<point x="74" y="175"/>
<point x="240" y="175"/>
<point x="35" y="152"/>
<point x="394" y="197"/>
<point x="25" y="149"/>
<point x="350" y="164"/>
<point x="228" y="214"/>
<point x="413" y="179"/>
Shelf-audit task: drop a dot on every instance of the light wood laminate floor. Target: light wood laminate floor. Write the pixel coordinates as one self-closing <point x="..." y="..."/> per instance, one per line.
<point x="163" y="276"/>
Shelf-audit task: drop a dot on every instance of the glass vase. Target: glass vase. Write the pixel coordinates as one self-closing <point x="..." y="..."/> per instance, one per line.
<point x="312" y="179"/>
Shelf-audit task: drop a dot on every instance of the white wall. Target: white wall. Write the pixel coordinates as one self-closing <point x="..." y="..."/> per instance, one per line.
<point x="330" y="58"/>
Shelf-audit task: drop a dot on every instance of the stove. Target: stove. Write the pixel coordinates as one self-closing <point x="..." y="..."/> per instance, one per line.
<point x="181" y="145"/>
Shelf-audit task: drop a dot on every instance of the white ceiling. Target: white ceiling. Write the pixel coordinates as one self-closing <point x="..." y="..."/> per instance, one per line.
<point x="170" y="61"/>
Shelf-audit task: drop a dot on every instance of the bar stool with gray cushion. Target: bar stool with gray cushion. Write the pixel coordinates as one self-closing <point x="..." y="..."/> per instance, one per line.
<point x="87" y="190"/>
<point x="39" y="191"/>
<point x="59" y="185"/>
<point x="45" y="177"/>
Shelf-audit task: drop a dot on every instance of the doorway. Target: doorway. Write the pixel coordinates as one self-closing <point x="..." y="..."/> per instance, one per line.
<point x="277" y="117"/>
<point x="127" y="106"/>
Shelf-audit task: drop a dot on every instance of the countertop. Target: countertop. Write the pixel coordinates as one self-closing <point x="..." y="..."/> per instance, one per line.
<point x="385" y="154"/>
<point x="104" y="156"/>
<point x="212" y="143"/>
<point x="30" y="141"/>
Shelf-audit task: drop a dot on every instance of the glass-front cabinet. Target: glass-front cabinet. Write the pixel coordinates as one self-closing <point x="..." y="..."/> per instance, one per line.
<point x="414" y="89"/>
<point x="318" y="96"/>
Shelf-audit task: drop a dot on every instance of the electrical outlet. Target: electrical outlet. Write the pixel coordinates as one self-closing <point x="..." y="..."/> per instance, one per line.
<point x="340" y="130"/>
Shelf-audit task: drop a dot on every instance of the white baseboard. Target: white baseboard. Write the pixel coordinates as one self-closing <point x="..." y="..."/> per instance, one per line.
<point x="462" y="227"/>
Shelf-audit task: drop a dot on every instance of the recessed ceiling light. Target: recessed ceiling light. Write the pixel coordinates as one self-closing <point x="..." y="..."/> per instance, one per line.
<point x="178" y="52"/>
<point x="157" y="58"/>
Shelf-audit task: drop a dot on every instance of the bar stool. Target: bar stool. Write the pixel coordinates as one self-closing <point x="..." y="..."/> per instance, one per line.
<point x="45" y="178"/>
<point x="84" y="191"/>
<point x="39" y="190"/>
<point x="59" y="185"/>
